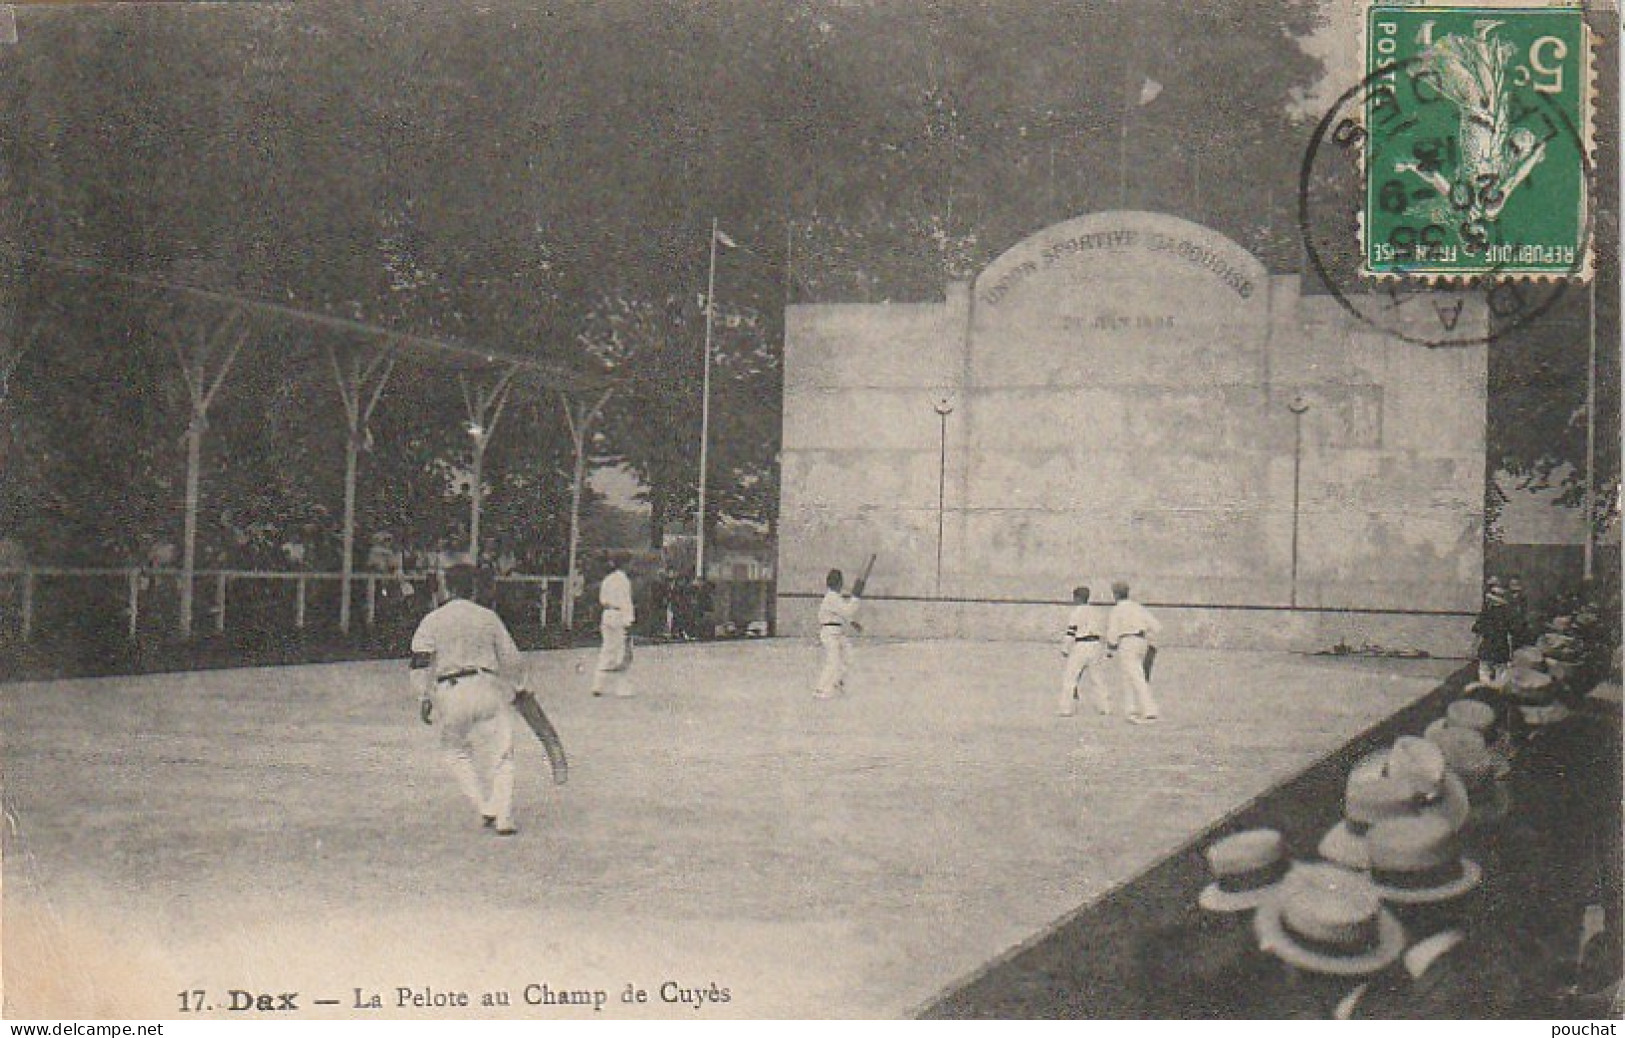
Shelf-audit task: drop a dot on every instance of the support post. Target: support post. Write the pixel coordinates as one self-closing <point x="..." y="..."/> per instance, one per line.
<point x="477" y="497"/>
<point x="705" y="408"/>
<point x="133" y="606"/>
<point x="944" y="406"/>
<point x="220" y="603"/>
<point x="1298" y="406"/>
<point x="194" y="464"/>
<point x="578" y="479"/>
<point x="353" y="386"/>
<point x="28" y="604"/>
<point x="484" y="412"/>
<point x="580" y="426"/>
<point x="352" y="456"/>
<point x="299" y="603"/>
<point x="202" y="386"/>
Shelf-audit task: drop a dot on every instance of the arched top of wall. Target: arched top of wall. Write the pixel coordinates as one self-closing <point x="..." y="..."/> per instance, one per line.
<point x="1121" y="297"/>
<point x="1130" y="239"/>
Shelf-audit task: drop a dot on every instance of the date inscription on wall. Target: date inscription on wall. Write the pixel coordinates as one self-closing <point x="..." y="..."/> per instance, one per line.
<point x="1114" y="322"/>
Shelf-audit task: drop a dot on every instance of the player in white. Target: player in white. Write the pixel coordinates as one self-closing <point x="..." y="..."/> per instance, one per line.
<point x="1130" y="631"/>
<point x="615" y="624"/>
<point x="466" y="671"/>
<point x="837" y="612"/>
<point x="1082" y="648"/>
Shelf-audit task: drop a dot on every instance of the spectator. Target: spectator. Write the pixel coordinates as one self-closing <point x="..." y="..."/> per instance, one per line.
<point x="617" y="616"/>
<point x="382" y="557"/>
<point x="660" y="598"/>
<point x="1494" y="630"/>
<point x="682" y="608"/>
<point x="162" y="555"/>
<point x="700" y="609"/>
<point x="393" y="594"/>
<point x="1522" y="622"/>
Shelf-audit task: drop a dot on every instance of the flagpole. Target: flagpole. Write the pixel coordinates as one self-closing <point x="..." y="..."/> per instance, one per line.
<point x="789" y="261"/>
<point x="1196" y="181"/>
<point x="1130" y="98"/>
<point x="1122" y="154"/>
<point x="705" y="406"/>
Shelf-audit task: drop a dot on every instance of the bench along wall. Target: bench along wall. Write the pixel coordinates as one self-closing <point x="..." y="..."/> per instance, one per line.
<point x="1121" y="387"/>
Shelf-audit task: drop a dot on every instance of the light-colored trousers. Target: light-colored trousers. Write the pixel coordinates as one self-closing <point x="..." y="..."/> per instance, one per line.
<point x="476" y="721"/>
<point x="1085" y="656"/>
<point x="837" y="660"/>
<point x="613" y="665"/>
<point x="1137" y="696"/>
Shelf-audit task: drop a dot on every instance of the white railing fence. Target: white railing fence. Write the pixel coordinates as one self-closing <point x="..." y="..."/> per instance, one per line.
<point x="262" y="594"/>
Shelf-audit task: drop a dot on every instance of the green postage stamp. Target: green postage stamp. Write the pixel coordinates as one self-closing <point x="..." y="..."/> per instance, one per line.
<point x="1479" y="139"/>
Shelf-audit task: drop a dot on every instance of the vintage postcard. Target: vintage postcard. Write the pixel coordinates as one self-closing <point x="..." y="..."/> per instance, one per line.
<point x="809" y="510"/>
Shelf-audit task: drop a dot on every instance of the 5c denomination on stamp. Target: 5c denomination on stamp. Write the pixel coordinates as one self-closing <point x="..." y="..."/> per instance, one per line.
<point x="1477" y="139"/>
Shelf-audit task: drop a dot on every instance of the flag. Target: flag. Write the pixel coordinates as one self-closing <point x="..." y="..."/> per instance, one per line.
<point x="1135" y="96"/>
<point x="723" y="239"/>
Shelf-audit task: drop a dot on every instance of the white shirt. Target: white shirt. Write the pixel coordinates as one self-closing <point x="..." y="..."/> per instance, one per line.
<point x="616" y="593"/>
<point x="837" y="610"/>
<point x="1081" y="623"/>
<point x="1130" y="617"/>
<point x="461" y="634"/>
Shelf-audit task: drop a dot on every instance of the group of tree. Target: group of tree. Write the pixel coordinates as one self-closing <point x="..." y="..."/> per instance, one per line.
<point x="539" y="181"/>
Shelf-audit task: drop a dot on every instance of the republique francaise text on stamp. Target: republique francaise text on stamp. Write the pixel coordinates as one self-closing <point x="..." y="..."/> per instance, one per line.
<point x="1478" y="130"/>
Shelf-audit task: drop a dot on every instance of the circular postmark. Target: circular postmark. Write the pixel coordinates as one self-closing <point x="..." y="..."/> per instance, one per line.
<point x="1428" y="210"/>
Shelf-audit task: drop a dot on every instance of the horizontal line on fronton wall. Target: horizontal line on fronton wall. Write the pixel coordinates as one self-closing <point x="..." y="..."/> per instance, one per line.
<point x="972" y="391"/>
<point x="1239" y="607"/>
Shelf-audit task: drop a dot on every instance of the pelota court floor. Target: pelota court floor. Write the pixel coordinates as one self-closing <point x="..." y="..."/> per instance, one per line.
<point x="282" y="830"/>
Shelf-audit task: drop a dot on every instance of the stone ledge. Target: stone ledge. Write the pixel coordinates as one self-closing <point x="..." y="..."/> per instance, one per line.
<point x="1441" y="635"/>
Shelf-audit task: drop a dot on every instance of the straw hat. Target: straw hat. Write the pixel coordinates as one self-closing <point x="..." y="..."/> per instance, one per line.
<point x="1247" y="867"/>
<point x="1546" y="714"/>
<point x="1476" y="714"/>
<point x="1408" y="779"/>
<point x="1530" y="657"/>
<point x="1368" y="798"/>
<point x="1421" y="765"/>
<point x="1415" y="861"/>
<point x="1473" y="715"/>
<point x="1530" y="686"/>
<point x="1468" y="755"/>
<point x="1480" y="769"/>
<point x="1329" y="920"/>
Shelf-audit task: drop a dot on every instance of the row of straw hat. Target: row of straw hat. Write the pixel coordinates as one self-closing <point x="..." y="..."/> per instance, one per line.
<point x="1405" y="811"/>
